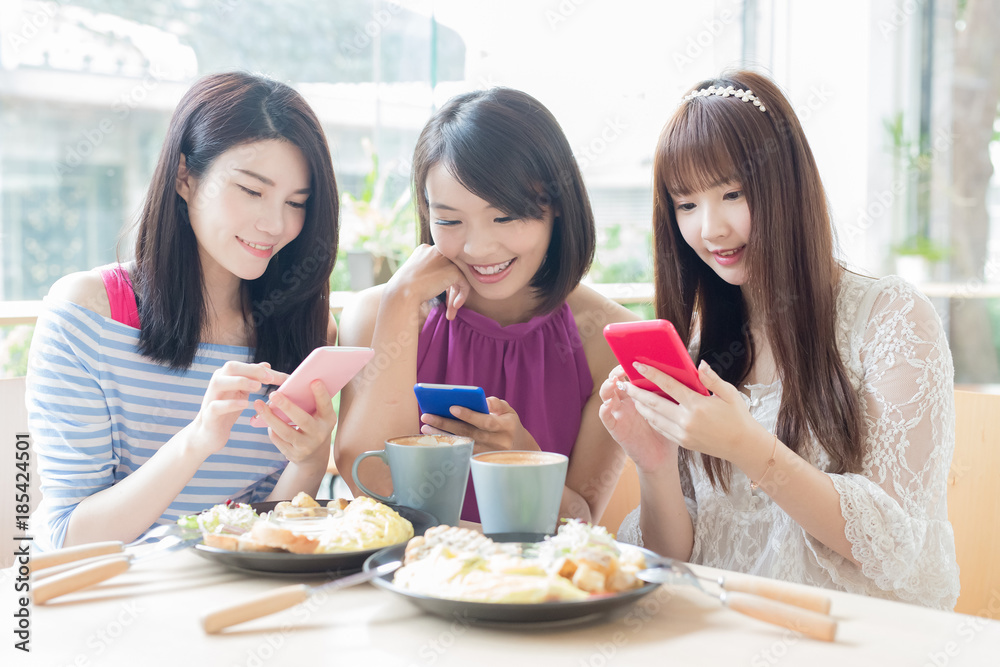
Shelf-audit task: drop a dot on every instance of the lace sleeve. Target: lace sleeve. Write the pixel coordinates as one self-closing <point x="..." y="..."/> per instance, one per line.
<point x="896" y="508"/>
<point x="631" y="533"/>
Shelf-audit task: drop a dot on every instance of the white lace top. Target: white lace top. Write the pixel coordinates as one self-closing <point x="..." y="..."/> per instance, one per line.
<point x="897" y="357"/>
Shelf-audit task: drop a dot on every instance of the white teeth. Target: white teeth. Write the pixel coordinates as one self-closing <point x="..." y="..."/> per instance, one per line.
<point x="491" y="270"/>
<point x="256" y="246"/>
<point x="729" y="253"/>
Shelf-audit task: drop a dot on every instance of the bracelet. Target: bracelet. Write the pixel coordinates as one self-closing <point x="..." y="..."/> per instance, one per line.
<point x="770" y="464"/>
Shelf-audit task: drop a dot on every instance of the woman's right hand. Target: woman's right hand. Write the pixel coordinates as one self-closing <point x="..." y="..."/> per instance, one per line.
<point x="227" y="396"/>
<point x="428" y="273"/>
<point x="645" y="446"/>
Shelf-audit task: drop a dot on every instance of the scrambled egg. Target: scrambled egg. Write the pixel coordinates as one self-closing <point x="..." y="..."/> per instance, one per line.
<point x="365" y="524"/>
<point x="579" y="562"/>
<point x="507" y="579"/>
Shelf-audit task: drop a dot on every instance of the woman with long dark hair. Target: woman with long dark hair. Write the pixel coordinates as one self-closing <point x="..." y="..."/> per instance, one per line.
<point x="822" y="455"/>
<point x="142" y="375"/>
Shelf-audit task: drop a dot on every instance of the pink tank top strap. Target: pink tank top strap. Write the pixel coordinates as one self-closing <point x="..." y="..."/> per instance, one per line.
<point x="121" y="295"/>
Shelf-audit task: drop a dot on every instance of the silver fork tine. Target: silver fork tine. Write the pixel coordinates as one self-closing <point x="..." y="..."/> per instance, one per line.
<point x="155" y="534"/>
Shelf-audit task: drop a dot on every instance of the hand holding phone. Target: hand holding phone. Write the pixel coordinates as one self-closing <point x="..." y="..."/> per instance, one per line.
<point x="334" y="366"/>
<point x="657" y="344"/>
<point x="437" y="399"/>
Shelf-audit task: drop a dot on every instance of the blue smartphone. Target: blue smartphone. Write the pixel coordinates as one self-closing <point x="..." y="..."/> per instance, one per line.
<point x="436" y="399"/>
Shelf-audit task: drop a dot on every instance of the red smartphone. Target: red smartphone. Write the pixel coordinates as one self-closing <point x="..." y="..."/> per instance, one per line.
<point x="335" y="366"/>
<point x="654" y="343"/>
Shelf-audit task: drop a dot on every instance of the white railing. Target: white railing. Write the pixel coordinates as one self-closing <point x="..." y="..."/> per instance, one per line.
<point x="26" y="312"/>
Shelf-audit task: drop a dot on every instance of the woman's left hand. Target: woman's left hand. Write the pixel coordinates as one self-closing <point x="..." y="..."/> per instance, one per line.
<point x="716" y="425"/>
<point x="308" y="442"/>
<point x="501" y="429"/>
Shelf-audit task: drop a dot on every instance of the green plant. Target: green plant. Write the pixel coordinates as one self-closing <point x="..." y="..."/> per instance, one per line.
<point x="624" y="265"/>
<point x="918" y="246"/>
<point x="369" y="224"/>
<point x="14" y="344"/>
<point x="912" y="164"/>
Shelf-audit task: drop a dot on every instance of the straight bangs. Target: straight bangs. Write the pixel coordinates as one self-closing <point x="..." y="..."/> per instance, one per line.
<point x="698" y="152"/>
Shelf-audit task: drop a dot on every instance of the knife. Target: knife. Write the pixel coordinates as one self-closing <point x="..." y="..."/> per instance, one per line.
<point x="274" y="601"/>
<point x="102" y="570"/>
<point x="55" y="557"/>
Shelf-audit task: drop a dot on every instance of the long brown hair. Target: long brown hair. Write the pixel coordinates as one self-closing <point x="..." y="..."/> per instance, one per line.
<point x="505" y="147"/>
<point x="287" y="308"/>
<point x="792" y="275"/>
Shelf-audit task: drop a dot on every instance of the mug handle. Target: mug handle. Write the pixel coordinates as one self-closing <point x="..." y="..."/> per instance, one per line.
<point x="354" y="473"/>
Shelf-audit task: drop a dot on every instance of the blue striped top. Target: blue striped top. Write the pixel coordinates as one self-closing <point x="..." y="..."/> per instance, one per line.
<point x="98" y="409"/>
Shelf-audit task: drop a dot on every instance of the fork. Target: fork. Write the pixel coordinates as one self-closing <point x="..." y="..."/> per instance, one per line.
<point x="84" y="551"/>
<point x="800" y="610"/>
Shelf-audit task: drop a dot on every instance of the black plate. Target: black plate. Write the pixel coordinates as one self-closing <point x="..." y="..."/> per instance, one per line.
<point x="503" y="613"/>
<point x="288" y="563"/>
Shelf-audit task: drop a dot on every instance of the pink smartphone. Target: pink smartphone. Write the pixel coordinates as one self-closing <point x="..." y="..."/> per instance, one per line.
<point x="335" y="366"/>
<point x="657" y="344"/>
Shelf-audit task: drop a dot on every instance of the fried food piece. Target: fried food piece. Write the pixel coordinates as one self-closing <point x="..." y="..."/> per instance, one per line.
<point x="586" y="578"/>
<point x="238" y="543"/>
<point x="303" y="499"/>
<point x="268" y="534"/>
<point x="302" y="506"/>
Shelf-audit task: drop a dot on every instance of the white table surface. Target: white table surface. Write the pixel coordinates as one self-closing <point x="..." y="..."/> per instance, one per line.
<point x="150" y="615"/>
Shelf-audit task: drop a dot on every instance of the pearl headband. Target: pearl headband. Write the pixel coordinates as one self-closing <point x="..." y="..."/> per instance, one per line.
<point x="729" y="91"/>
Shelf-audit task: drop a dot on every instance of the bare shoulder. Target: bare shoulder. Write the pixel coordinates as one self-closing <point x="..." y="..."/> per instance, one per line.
<point x="85" y="289"/>
<point x="331" y="331"/>
<point x="360" y="314"/>
<point x="592" y="312"/>
<point x="357" y="320"/>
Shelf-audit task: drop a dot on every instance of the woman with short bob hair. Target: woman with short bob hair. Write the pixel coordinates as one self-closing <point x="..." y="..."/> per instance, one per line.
<point x="821" y="456"/>
<point x="164" y="356"/>
<point x="492" y="298"/>
<point x="520" y="166"/>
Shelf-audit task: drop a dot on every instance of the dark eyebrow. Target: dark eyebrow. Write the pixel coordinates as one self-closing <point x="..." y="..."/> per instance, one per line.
<point x="267" y="181"/>
<point x="443" y="206"/>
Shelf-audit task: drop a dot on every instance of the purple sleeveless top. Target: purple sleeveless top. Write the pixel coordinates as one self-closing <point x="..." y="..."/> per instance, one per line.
<point x="538" y="367"/>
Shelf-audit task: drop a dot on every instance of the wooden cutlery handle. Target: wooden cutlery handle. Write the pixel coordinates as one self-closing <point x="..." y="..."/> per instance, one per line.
<point x="78" y="579"/>
<point x="778" y="590"/>
<point x="808" y="623"/>
<point x="70" y="554"/>
<point x="255" y="607"/>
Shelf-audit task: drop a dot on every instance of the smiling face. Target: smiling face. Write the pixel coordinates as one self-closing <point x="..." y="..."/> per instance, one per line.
<point x="498" y="254"/>
<point x="716" y="224"/>
<point x="248" y="206"/>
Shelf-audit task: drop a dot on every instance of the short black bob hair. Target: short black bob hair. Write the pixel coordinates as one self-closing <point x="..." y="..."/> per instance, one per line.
<point x="507" y="149"/>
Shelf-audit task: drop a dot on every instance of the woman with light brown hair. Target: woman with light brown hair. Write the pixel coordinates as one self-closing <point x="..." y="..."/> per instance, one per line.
<point x="822" y="454"/>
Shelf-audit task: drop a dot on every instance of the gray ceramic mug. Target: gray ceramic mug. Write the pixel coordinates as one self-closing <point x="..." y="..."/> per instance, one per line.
<point x="519" y="491"/>
<point x="429" y="473"/>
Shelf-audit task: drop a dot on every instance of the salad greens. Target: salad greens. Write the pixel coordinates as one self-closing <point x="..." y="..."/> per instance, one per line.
<point x="227" y="518"/>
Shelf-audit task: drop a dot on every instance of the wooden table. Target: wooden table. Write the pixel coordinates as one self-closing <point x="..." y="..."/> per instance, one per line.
<point x="149" y="615"/>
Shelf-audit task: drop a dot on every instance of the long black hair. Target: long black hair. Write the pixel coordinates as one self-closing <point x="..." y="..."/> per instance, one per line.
<point x="287" y="308"/>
